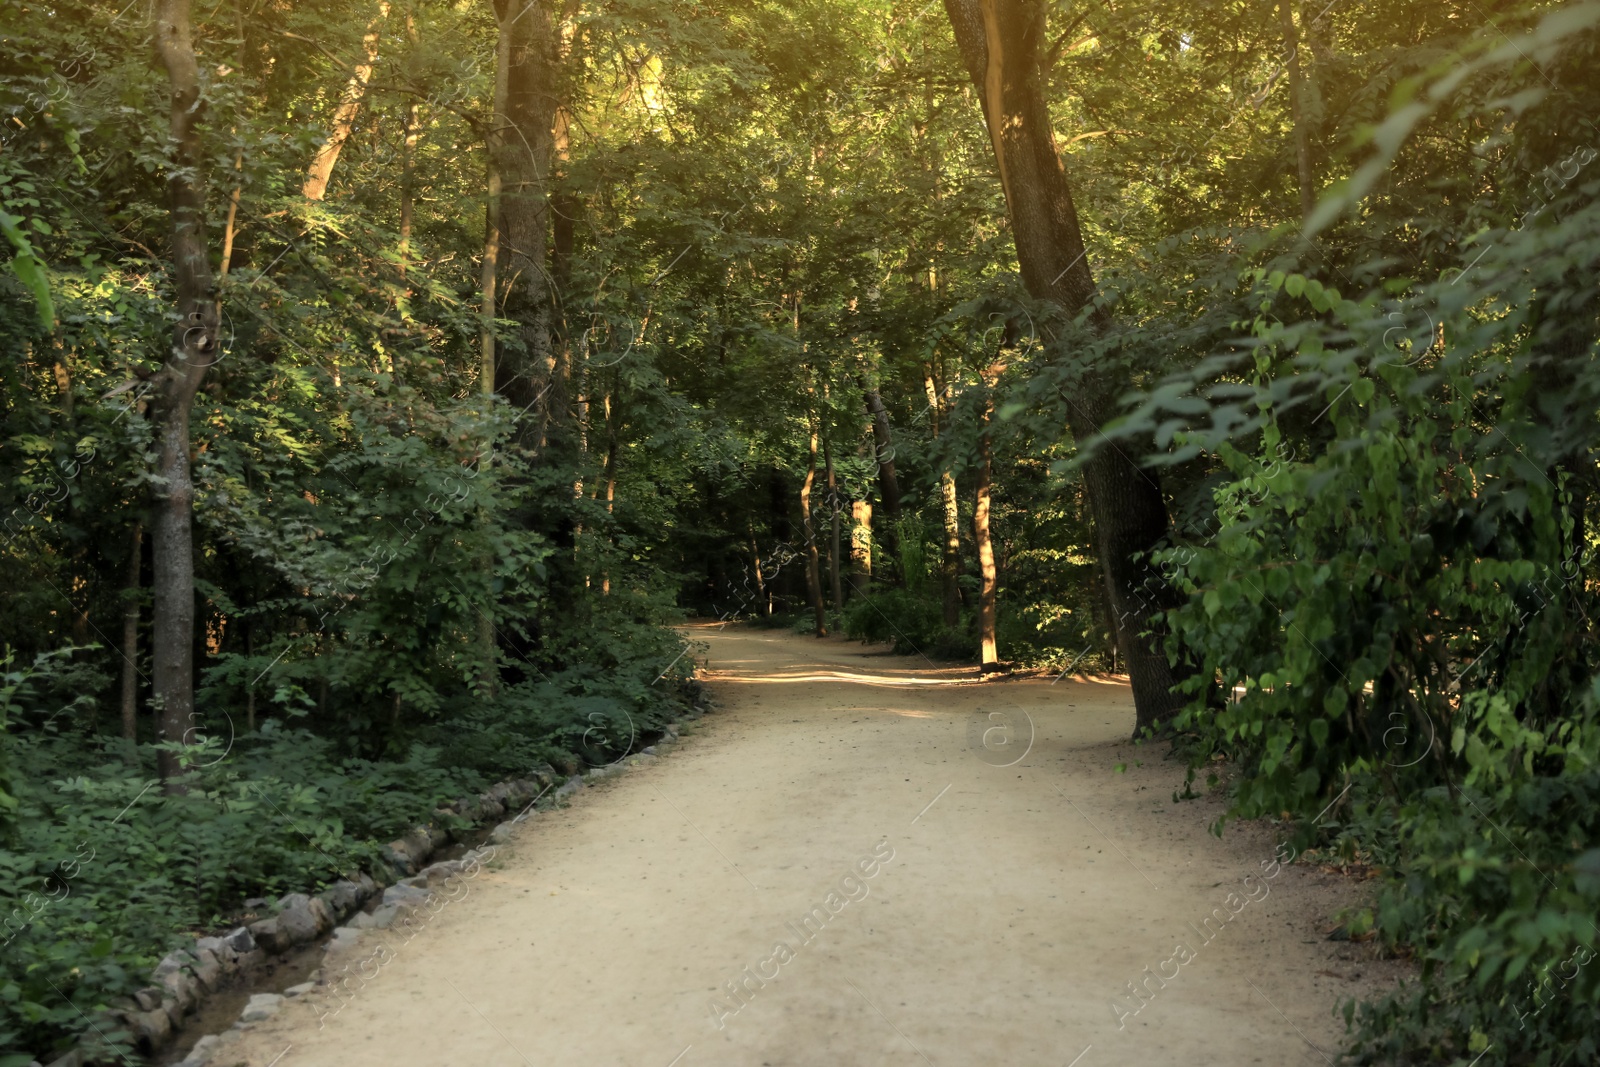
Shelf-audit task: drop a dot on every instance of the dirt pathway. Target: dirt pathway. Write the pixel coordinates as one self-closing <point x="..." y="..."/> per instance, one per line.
<point x="836" y="868"/>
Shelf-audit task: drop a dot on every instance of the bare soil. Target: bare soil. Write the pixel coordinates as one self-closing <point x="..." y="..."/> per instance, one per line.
<point x="1006" y="912"/>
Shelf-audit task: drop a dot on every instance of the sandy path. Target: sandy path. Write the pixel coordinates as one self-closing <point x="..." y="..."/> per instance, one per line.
<point x="1004" y="908"/>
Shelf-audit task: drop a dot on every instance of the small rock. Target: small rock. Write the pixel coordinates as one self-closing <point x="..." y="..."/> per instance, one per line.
<point x="404" y="895"/>
<point x="202" y="1052"/>
<point x="257" y="904"/>
<point x="342" y="898"/>
<point x="149" y="998"/>
<point x="225" y="955"/>
<point x="172" y="962"/>
<point x="266" y="934"/>
<point x="324" y="915"/>
<point x="398" y="856"/>
<point x="502" y="833"/>
<point x="71" y="1059"/>
<point x="300" y="990"/>
<point x="182" y="987"/>
<point x="239" y="940"/>
<point x="261" y="1006"/>
<point x="152" y="1029"/>
<point x="378" y="919"/>
<point x="571" y="786"/>
<point x="298" y="919"/>
<point x="439" y="872"/>
<point x="207" y="970"/>
<point x="344" y="938"/>
<point x="650" y="750"/>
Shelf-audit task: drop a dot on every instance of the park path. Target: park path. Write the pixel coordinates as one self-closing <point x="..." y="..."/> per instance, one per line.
<point x="935" y="905"/>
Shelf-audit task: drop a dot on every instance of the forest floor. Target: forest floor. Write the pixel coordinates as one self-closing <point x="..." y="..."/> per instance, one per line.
<point x="1016" y="906"/>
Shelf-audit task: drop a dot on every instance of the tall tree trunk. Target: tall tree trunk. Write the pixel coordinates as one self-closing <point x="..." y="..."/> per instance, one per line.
<point x="990" y="657"/>
<point x="529" y="380"/>
<point x="813" y="562"/>
<point x="344" y="116"/>
<point x="861" y="547"/>
<point x="950" y="564"/>
<point x="230" y="228"/>
<point x="835" y="579"/>
<point x="130" y="634"/>
<point x="489" y="274"/>
<point x="1297" y="110"/>
<point x="888" y="483"/>
<point x="1001" y="43"/>
<point x="194" y="349"/>
<point x="611" y="411"/>
<point x="755" y="562"/>
<point x="489" y="675"/>
<point x="411" y="132"/>
<point x="411" y="129"/>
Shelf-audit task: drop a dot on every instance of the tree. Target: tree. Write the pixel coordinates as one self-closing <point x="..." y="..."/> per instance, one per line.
<point x="195" y="347"/>
<point x="344" y="116"/>
<point x="1002" y="43"/>
<point x="526" y="374"/>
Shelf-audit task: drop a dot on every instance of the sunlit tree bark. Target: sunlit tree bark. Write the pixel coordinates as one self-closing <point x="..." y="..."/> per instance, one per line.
<point x="344" y="116"/>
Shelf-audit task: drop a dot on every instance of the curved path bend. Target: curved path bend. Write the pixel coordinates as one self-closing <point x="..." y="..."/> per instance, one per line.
<point x="860" y="859"/>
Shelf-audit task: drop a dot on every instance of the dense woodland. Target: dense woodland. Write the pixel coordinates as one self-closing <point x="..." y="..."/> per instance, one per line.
<point x="382" y="378"/>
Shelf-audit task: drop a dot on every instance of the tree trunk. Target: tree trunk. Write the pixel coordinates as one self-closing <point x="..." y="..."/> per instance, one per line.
<point x="489" y="274"/>
<point x="528" y="379"/>
<point x="889" y="484"/>
<point x="1302" y="142"/>
<point x="813" y="563"/>
<point x="344" y="116"/>
<point x="230" y="228"/>
<point x="835" y="579"/>
<point x="1000" y="43"/>
<point x="990" y="657"/>
<point x="130" y="634"/>
<point x="411" y="129"/>
<point x="194" y="348"/>
<point x="950" y="565"/>
<point x="861" y="547"/>
<point x="611" y="412"/>
<point x="408" y="183"/>
<point x="489" y="674"/>
<point x="755" y="561"/>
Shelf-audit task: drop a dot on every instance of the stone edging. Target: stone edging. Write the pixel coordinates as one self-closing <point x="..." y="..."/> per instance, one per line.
<point x="185" y="978"/>
<point x="433" y="885"/>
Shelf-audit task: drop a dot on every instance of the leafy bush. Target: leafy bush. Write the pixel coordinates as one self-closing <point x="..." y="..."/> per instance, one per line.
<point x="913" y="622"/>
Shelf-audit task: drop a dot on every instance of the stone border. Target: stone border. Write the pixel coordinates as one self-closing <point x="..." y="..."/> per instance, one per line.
<point x="186" y="978"/>
<point x="427" y="891"/>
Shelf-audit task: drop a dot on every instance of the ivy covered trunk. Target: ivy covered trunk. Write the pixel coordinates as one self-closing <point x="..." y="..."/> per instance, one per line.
<point x="1001" y="43"/>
